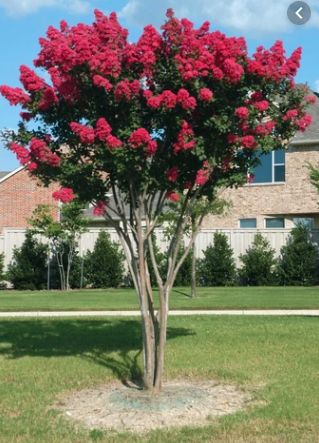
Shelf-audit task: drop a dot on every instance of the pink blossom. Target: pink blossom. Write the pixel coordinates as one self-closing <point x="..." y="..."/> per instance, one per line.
<point x="262" y="106"/>
<point x="248" y="141"/>
<point x="15" y="96"/>
<point x="65" y="195"/>
<point x="30" y="80"/>
<point x="22" y="153"/>
<point x="242" y="112"/>
<point x="85" y="133"/>
<point x="205" y="94"/>
<point x="291" y="114"/>
<point x="113" y="142"/>
<point x="304" y="122"/>
<point x="141" y="138"/>
<point x="99" y="208"/>
<point x="103" y="129"/>
<point x="202" y="177"/>
<point x="168" y="99"/>
<point x="48" y="99"/>
<point x="172" y="174"/>
<point x="27" y="116"/>
<point x="173" y="196"/>
<point x="41" y="152"/>
<point x="102" y="82"/>
<point x="232" y="139"/>
<point x="185" y="138"/>
<point x="185" y="99"/>
<point x="32" y="166"/>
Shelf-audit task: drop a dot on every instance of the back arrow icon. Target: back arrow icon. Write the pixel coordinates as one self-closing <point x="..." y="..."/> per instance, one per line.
<point x="298" y="13"/>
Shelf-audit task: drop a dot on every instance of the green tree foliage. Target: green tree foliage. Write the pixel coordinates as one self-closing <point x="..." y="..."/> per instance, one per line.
<point x="217" y="268"/>
<point x="63" y="236"/>
<point x="104" y="265"/>
<point x="258" y="263"/>
<point x="299" y="260"/>
<point x="28" y="268"/>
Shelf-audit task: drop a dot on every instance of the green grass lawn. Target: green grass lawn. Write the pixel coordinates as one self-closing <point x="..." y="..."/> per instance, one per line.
<point x="276" y="358"/>
<point x="208" y="298"/>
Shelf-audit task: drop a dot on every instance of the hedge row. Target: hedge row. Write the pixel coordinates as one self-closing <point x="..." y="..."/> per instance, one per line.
<point x="298" y="264"/>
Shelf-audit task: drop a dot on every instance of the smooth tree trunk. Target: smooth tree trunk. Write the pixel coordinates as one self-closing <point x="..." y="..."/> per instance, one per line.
<point x="136" y="239"/>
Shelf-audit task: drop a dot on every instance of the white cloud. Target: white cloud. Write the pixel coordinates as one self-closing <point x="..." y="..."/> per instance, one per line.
<point x="16" y="8"/>
<point x="245" y="16"/>
<point x="316" y="86"/>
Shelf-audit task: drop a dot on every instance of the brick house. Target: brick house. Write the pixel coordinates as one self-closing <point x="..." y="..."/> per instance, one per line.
<point x="19" y="195"/>
<point x="281" y="194"/>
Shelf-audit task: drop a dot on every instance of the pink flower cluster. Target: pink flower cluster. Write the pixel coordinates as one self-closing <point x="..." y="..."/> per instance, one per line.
<point x="261" y="105"/>
<point x="103" y="133"/>
<point x="15" y="96"/>
<point x="302" y="122"/>
<point x="102" y="82"/>
<point x="202" y="53"/>
<point x="186" y="100"/>
<point x="172" y="174"/>
<point x="38" y="151"/>
<point x="265" y="128"/>
<point x="202" y="175"/>
<point x="99" y="208"/>
<point x="85" y="133"/>
<point x="126" y="90"/>
<point x="185" y="138"/>
<point x="205" y="94"/>
<point x="70" y="47"/>
<point x="242" y="112"/>
<point x="273" y="64"/>
<point x="144" y="53"/>
<point x="141" y="138"/>
<point x="42" y="153"/>
<point x="173" y="196"/>
<point x="48" y="98"/>
<point x="22" y="153"/>
<point x="65" y="195"/>
<point x="30" y="80"/>
<point x="248" y="141"/>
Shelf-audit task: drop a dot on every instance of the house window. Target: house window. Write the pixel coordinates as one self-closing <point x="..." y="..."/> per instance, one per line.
<point x="271" y="168"/>
<point x="246" y="223"/>
<point x="305" y="221"/>
<point x="274" y="223"/>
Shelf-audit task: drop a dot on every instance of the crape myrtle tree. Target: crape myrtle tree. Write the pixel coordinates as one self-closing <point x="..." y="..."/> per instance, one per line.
<point x="173" y="116"/>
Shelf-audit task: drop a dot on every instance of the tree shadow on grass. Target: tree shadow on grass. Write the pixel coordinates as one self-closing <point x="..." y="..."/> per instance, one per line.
<point x="114" y="344"/>
<point x="178" y="291"/>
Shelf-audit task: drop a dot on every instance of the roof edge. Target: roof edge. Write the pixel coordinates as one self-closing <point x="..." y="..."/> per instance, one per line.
<point x="304" y="142"/>
<point x="11" y="173"/>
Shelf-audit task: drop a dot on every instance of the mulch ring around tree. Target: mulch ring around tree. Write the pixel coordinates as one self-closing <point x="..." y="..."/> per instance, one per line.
<point x="181" y="403"/>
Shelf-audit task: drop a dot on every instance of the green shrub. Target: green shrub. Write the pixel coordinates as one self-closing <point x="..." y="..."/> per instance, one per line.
<point x="2" y="275"/>
<point x="104" y="265"/>
<point x="258" y="263"/>
<point x="28" y="268"/>
<point x="298" y="263"/>
<point x="217" y="268"/>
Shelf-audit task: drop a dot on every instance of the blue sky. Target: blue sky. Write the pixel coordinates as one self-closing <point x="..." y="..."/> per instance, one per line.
<point x="22" y="22"/>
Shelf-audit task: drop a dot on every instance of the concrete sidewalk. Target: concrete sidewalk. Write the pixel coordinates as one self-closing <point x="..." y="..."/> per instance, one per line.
<point x="261" y="312"/>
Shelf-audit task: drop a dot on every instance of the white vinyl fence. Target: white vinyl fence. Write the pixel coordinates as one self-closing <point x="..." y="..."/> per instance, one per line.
<point x="239" y="239"/>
